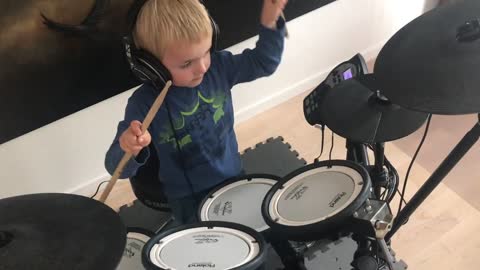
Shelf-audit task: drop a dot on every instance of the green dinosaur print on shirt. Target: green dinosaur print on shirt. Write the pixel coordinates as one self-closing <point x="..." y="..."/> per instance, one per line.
<point x="216" y="102"/>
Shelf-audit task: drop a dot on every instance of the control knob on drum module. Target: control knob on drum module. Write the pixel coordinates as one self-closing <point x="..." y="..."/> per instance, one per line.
<point x="347" y="70"/>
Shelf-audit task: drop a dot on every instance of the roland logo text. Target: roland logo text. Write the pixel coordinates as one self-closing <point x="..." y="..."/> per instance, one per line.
<point x="337" y="199"/>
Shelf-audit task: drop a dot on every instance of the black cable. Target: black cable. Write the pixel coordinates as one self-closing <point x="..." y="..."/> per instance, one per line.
<point x="411" y="164"/>
<point x="382" y="196"/>
<point x="98" y="188"/>
<point x="372" y="148"/>
<point x="393" y="185"/>
<point x="390" y="184"/>
<point x="394" y="178"/>
<point x="400" y="194"/>
<point x="331" y="147"/>
<point x="317" y="159"/>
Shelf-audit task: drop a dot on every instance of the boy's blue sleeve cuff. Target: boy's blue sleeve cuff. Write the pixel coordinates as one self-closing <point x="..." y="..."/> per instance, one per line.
<point x="135" y="162"/>
<point x="143" y="156"/>
<point x="281" y="23"/>
<point x="280" y="28"/>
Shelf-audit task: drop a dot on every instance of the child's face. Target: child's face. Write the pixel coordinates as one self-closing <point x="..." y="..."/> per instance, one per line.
<point x="188" y="62"/>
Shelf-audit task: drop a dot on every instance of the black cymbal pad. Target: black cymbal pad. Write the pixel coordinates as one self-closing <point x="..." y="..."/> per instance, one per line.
<point x="59" y="231"/>
<point x="355" y="112"/>
<point x="432" y="63"/>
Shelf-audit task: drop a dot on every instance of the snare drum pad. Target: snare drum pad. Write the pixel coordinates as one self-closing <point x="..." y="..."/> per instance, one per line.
<point x="239" y="201"/>
<point x="205" y="245"/>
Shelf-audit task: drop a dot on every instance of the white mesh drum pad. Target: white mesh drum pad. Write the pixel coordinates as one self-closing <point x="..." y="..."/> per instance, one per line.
<point x="204" y="248"/>
<point x="132" y="255"/>
<point x="238" y="202"/>
<point x="315" y="195"/>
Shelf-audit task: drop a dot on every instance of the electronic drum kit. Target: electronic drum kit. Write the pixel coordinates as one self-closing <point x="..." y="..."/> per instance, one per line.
<point x="428" y="67"/>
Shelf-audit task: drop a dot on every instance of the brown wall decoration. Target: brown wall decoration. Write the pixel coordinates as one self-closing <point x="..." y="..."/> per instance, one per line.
<point x="61" y="56"/>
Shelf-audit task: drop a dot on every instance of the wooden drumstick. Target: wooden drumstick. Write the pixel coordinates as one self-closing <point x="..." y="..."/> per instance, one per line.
<point x="146" y="123"/>
<point x="286" y="29"/>
<point x="283" y="17"/>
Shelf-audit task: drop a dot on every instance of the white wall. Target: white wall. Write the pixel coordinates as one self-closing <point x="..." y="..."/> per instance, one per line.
<point x="67" y="155"/>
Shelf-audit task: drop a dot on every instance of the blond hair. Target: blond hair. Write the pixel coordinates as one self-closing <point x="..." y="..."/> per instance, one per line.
<point x="161" y="23"/>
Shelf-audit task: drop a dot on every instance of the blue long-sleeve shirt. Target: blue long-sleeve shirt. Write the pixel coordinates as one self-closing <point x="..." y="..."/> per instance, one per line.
<point x="202" y="119"/>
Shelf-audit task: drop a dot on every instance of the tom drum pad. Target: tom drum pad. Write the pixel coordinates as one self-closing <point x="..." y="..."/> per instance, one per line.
<point x="205" y="245"/>
<point x="132" y="255"/>
<point x="239" y="201"/>
<point x="316" y="200"/>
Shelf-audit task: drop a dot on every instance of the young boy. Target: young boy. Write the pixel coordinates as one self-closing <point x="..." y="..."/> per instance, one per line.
<point x="193" y="130"/>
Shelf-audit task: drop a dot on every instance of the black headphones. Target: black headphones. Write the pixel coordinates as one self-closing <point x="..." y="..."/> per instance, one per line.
<point x="144" y="65"/>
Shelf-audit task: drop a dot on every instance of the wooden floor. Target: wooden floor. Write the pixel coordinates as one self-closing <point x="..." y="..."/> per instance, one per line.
<point x="442" y="233"/>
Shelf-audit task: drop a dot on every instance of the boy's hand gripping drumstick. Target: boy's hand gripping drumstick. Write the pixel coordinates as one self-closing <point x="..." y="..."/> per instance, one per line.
<point x="146" y="123"/>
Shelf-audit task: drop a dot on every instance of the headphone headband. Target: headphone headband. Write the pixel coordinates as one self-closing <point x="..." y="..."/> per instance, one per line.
<point x="144" y="65"/>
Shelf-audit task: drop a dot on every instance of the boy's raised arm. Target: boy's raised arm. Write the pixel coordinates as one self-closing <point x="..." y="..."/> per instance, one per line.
<point x="264" y="59"/>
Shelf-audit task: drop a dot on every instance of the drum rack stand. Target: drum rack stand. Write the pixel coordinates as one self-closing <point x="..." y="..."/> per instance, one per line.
<point x="357" y="152"/>
<point x="378" y="174"/>
<point x="470" y="138"/>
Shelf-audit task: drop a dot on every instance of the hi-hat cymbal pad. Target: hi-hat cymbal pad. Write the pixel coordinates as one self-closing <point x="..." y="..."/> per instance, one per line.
<point x="359" y="114"/>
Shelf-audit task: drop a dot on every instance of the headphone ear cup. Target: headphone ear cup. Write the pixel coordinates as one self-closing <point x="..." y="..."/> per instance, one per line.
<point x="144" y="74"/>
<point x="156" y="71"/>
<point x="144" y="65"/>
<point x="141" y="71"/>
